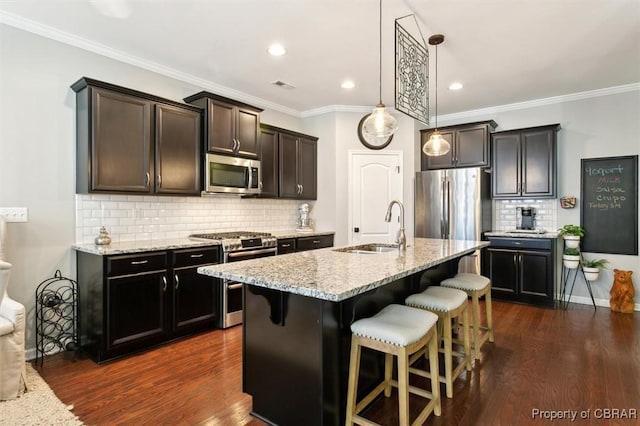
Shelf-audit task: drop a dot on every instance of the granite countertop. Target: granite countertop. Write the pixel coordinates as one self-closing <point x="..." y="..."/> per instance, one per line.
<point x="331" y="275"/>
<point x="515" y="234"/>
<point x="126" y="247"/>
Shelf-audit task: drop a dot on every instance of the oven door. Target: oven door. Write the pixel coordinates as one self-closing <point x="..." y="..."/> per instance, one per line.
<point x="232" y="290"/>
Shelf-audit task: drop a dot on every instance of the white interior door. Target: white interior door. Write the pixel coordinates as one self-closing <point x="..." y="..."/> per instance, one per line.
<point x="375" y="180"/>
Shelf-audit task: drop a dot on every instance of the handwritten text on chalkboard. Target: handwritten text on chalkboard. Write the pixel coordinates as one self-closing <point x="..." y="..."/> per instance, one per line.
<point x="609" y="192"/>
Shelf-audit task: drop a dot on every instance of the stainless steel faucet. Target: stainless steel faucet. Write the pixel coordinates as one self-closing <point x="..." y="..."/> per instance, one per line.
<point x="401" y="239"/>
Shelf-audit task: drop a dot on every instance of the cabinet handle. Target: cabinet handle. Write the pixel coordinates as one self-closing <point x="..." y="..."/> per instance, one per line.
<point x="139" y="262"/>
<point x="148" y="176"/>
<point x="260" y="185"/>
<point x="238" y="147"/>
<point x="177" y="281"/>
<point x="195" y="256"/>
<point x="301" y="188"/>
<point x="233" y="145"/>
<point x="316" y="241"/>
<point x="164" y="281"/>
<point x="286" y="245"/>
<point x="159" y="179"/>
<point x="235" y="286"/>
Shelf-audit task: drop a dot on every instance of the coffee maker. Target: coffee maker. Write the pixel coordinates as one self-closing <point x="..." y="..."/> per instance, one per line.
<point x="528" y="218"/>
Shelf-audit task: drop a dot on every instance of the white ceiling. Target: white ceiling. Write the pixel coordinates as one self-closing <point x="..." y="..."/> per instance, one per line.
<point x="503" y="51"/>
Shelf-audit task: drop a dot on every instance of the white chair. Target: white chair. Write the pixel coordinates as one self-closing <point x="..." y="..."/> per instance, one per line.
<point x="12" y="325"/>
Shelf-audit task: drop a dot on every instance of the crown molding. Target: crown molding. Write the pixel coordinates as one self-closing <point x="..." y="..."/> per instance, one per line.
<point x="103" y="50"/>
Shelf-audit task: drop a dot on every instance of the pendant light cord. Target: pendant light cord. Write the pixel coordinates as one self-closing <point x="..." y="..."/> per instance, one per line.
<point x="436" y="87"/>
<point x="380" y="55"/>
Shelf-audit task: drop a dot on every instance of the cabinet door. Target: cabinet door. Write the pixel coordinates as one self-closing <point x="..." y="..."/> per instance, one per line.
<point x="538" y="160"/>
<point x="505" y="166"/>
<point x="177" y="151"/>
<point x="307" y="168"/>
<point x="536" y="277"/>
<point x="503" y="272"/>
<point x="269" y="162"/>
<point x="221" y="127"/>
<point x="135" y="306"/>
<point x="472" y="147"/>
<point x="286" y="245"/>
<point x="121" y="143"/>
<point x="312" y="243"/>
<point x="247" y="124"/>
<point x="195" y="303"/>
<point x="440" y="161"/>
<point x="288" y="159"/>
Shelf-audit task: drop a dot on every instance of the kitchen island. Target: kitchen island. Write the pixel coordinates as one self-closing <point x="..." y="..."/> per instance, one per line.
<point x="297" y="312"/>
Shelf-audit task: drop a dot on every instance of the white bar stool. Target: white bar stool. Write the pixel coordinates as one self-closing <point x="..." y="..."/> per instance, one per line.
<point x="449" y="304"/>
<point x="401" y="331"/>
<point x="475" y="286"/>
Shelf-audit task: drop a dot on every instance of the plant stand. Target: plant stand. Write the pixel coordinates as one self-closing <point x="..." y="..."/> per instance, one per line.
<point x="566" y="277"/>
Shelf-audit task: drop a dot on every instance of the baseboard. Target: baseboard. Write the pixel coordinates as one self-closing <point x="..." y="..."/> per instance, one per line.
<point x="599" y="302"/>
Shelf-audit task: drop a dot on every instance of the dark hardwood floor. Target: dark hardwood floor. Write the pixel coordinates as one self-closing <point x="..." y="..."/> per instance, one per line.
<point x="543" y="359"/>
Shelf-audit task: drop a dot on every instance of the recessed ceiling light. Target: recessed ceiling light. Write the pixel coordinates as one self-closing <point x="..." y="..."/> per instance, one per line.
<point x="455" y="86"/>
<point x="276" y="49"/>
<point x="348" y="84"/>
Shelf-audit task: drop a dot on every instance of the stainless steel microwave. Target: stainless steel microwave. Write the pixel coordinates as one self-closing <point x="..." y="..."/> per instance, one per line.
<point x="231" y="175"/>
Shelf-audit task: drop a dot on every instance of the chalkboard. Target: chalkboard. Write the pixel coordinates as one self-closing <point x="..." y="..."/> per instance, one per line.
<point x="609" y="205"/>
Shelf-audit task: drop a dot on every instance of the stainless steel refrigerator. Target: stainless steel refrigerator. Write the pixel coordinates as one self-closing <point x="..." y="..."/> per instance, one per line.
<point x="453" y="204"/>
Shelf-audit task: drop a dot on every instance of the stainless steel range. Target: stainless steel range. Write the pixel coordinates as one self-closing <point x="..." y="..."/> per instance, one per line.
<point x="237" y="246"/>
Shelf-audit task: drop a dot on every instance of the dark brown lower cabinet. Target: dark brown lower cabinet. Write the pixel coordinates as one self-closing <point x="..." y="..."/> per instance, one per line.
<point x="132" y="302"/>
<point x="521" y="269"/>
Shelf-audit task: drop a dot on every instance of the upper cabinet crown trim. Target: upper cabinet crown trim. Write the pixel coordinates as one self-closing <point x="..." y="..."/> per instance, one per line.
<point x="534" y="128"/>
<point x="265" y="126"/>
<point x="490" y="123"/>
<point x="205" y="94"/>
<point x="86" y="81"/>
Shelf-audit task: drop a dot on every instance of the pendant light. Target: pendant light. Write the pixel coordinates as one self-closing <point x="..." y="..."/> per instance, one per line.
<point x="436" y="145"/>
<point x="379" y="125"/>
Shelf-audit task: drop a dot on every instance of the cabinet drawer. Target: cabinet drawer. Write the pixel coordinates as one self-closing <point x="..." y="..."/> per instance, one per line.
<point x="286" y="245"/>
<point x="311" y="243"/>
<point x="135" y="264"/>
<point x="199" y="256"/>
<point x="522" y="243"/>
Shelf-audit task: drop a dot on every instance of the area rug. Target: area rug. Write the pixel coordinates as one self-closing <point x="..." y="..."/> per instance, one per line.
<point x="37" y="406"/>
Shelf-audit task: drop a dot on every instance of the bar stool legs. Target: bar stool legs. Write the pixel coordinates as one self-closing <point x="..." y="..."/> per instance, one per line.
<point x="476" y="286"/>
<point x="450" y="305"/>
<point x="382" y="333"/>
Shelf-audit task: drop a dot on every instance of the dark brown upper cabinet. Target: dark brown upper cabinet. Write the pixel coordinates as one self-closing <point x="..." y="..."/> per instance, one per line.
<point x="132" y="142"/>
<point x="524" y="163"/>
<point x="298" y="157"/>
<point x="230" y="127"/>
<point x="469" y="146"/>
<point x="269" y="162"/>
<point x="289" y="162"/>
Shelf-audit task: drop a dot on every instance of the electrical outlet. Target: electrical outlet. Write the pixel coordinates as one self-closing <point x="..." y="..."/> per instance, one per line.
<point x="15" y="214"/>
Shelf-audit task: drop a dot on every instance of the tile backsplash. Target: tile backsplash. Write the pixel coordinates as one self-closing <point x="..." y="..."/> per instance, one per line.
<point x="136" y="218"/>
<point x="507" y="216"/>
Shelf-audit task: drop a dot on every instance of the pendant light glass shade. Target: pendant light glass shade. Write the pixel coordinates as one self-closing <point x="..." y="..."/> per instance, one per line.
<point x="380" y="124"/>
<point x="436" y="145"/>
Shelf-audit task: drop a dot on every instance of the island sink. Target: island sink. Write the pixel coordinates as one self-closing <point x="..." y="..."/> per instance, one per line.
<point x="368" y="248"/>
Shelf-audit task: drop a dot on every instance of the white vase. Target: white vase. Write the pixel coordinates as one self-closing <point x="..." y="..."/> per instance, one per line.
<point x="591" y="274"/>
<point x="570" y="261"/>
<point x="571" y="241"/>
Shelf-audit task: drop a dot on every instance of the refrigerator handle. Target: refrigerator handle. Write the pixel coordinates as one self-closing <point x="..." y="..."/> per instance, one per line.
<point x="448" y="210"/>
<point x="443" y="220"/>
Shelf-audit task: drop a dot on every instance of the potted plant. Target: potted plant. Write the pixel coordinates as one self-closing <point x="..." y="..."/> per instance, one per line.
<point x="571" y="257"/>
<point x="592" y="268"/>
<point x="571" y="235"/>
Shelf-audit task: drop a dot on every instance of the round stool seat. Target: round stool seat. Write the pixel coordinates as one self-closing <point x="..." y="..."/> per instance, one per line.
<point x="396" y="325"/>
<point x="441" y="299"/>
<point x="467" y="282"/>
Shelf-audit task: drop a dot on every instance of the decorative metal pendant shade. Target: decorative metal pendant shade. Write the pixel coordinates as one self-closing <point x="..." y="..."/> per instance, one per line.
<point x="436" y="145"/>
<point x="378" y="126"/>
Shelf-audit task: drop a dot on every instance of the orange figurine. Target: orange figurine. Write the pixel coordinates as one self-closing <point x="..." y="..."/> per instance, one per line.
<point x="622" y="292"/>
